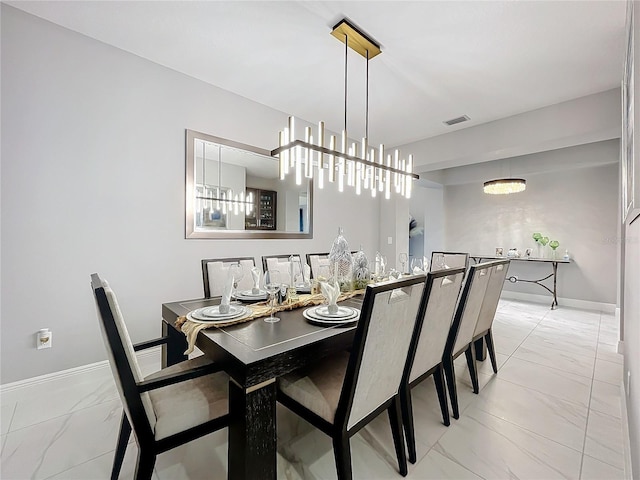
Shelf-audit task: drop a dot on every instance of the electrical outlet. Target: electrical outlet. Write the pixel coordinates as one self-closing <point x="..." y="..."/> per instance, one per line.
<point x="44" y="338"/>
<point x="390" y="240"/>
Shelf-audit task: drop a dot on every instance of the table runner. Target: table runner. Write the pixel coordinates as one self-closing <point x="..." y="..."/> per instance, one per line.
<point x="261" y="309"/>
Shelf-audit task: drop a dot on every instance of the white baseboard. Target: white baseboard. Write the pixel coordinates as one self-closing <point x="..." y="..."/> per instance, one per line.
<point x="562" y="302"/>
<point x="91" y="369"/>
<point x="628" y="473"/>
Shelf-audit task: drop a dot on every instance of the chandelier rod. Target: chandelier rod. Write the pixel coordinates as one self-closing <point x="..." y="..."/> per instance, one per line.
<point x="346" y="52"/>
<point x="366" y="122"/>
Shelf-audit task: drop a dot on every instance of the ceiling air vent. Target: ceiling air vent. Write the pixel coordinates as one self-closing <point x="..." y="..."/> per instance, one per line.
<point x="453" y="121"/>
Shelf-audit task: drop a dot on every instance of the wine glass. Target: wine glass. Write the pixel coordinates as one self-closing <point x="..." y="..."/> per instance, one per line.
<point x="272" y="286"/>
<point x="439" y="261"/>
<point x="402" y="258"/>
<point x="417" y="263"/>
<point x="237" y="271"/>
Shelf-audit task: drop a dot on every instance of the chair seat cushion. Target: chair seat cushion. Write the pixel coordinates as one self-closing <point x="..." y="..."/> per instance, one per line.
<point x="190" y="403"/>
<point x="318" y="388"/>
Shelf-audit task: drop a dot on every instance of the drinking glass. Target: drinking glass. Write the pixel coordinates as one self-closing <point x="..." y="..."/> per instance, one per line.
<point x="402" y="258"/>
<point x="237" y="271"/>
<point x="417" y="263"/>
<point x="272" y="285"/>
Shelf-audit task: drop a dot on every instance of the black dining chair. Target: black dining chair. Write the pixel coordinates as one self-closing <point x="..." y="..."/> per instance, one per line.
<point x="427" y="347"/>
<point x="215" y="270"/>
<point x="344" y="392"/>
<point x="166" y="409"/>
<point x="488" y="312"/>
<point x="460" y="336"/>
<point x="441" y="260"/>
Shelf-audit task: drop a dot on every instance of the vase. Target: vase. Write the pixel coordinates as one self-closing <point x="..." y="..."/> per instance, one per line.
<point x="341" y="262"/>
<point x="361" y="272"/>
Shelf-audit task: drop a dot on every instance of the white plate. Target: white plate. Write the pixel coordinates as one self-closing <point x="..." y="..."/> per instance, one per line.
<point x="238" y="311"/>
<point x="251" y="298"/>
<point x="214" y="312"/>
<point x="303" y="288"/>
<point x="330" y="322"/>
<point x="312" y="313"/>
<point x="343" y="312"/>
<point x="249" y="293"/>
<point x="213" y="321"/>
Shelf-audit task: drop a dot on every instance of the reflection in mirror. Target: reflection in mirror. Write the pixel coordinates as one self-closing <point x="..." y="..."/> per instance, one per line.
<point x="234" y="191"/>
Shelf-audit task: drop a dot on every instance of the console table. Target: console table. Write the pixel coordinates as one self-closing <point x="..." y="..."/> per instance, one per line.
<point x="513" y="279"/>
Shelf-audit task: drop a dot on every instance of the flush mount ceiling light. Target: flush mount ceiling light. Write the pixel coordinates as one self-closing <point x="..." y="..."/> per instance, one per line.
<point x="363" y="168"/>
<point x="504" y="186"/>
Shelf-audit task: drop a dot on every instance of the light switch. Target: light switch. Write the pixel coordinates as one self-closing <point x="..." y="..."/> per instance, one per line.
<point x="390" y="240"/>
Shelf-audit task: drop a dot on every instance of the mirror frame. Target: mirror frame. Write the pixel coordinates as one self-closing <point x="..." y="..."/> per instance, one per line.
<point x="190" y="232"/>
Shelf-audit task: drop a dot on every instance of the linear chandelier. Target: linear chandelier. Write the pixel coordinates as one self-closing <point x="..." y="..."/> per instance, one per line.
<point x="359" y="166"/>
<point x="505" y="186"/>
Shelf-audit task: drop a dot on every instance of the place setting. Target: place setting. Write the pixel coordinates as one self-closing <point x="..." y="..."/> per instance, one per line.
<point x="331" y="314"/>
<point x="254" y="294"/>
<point x="218" y="314"/>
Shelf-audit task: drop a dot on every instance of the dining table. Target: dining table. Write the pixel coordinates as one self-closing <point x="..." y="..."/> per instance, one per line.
<point x="255" y="354"/>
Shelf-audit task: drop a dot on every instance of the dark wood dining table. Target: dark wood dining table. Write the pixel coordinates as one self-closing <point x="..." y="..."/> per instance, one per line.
<point x="255" y="354"/>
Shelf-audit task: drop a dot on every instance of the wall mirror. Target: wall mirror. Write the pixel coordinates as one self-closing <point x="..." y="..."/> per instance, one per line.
<point x="233" y="190"/>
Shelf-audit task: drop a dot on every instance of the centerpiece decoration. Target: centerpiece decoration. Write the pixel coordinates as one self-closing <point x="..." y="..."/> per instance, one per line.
<point x="554" y="244"/>
<point x="341" y="262"/>
<point x="361" y="272"/>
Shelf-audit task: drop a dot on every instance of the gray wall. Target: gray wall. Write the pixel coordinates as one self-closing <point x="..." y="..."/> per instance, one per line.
<point x="93" y="181"/>
<point x="578" y="207"/>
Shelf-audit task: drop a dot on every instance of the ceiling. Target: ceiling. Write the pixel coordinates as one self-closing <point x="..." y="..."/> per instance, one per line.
<point x="440" y="60"/>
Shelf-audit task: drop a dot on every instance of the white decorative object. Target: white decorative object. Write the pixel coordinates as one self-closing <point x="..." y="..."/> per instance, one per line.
<point x="341" y="262"/>
<point x="361" y="272"/>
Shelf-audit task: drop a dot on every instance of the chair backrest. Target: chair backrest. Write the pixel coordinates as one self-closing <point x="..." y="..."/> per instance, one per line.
<point x="380" y="348"/>
<point x="216" y="270"/>
<point x="122" y="359"/>
<point x="281" y="264"/>
<point x="492" y="296"/>
<point x="317" y="260"/>
<point x="468" y="308"/>
<point x="441" y="260"/>
<point x="442" y="292"/>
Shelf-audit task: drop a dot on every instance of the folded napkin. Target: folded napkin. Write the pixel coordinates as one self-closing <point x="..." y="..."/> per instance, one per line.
<point x="417" y="270"/>
<point x="331" y="292"/>
<point x="255" y="275"/>
<point x="306" y="274"/>
<point x="226" y="293"/>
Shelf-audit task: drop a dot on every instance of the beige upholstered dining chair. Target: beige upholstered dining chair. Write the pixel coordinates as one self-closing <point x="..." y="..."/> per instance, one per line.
<point x="463" y="327"/>
<point x="316" y="261"/>
<point x="280" y="264"/>
<point x="166" y="409"/>
<point x="441" y="260"/>
<point x="427" y="348"/>
<point x="215" y="271"/>
<point x="342" y="393"/>
<point x="488" y="311"/>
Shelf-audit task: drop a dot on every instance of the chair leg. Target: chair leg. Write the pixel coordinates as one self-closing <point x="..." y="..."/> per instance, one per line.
<point x="471" y="363"/>
<point x="146" y="462"/>
<point x="396" y="429"/>
<point x="450" y="373"/>
<point x="121" y="447"/>
<point x="438" y="378"/>
<point x="342" y="454"/>
<point x="492" y="352"/>
<point x="407" y="420"/>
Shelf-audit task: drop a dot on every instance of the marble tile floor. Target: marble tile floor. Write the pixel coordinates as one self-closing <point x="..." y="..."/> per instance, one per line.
<point x="553" y="411"/>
